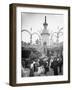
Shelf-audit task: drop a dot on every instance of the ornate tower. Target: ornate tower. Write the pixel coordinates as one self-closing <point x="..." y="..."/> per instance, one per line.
<point x="45" y="34"/>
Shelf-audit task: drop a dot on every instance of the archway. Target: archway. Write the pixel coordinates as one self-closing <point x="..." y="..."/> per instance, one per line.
<point x="25" y="35"/>
<point x="37" y="34"/>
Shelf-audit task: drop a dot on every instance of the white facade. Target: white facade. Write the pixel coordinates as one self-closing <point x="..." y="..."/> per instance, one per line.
<point x="45" y="38"/>
<point x="45" y="42"/>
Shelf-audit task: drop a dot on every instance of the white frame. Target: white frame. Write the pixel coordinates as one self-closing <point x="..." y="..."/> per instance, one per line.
<point x="64" y="77"/>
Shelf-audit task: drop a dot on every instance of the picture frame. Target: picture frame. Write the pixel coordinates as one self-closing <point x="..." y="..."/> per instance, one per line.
<point x="27" y="18"/>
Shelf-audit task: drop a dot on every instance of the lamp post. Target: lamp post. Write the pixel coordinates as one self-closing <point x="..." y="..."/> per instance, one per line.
<point x="31" y="36"/>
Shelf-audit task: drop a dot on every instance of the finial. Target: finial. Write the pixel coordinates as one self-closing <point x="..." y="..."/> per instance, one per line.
<point x="31" y="28"/>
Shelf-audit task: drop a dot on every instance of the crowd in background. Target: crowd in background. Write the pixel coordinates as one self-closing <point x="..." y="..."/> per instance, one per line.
<point x="41" y="66"/>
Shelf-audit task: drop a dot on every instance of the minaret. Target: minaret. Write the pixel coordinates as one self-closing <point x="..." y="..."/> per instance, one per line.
<point x="45" y="38"/>
<point x="45" y="34"/>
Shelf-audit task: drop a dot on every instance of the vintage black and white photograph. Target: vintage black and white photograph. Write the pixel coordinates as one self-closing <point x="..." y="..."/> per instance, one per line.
<point x="41" y="44"/>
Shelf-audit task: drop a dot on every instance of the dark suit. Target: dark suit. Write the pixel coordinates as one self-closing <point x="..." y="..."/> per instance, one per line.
<point x="54" y="65"/>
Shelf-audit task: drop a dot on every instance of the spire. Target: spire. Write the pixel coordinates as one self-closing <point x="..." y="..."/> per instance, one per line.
<point x="31" y="29"/>
<point x="45" y="23"/>
<point x="45" y="19"/>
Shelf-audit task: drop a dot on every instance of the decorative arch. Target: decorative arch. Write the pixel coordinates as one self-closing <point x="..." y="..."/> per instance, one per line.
<point x="37" y="35"/>
<point x="26" y="31"/>
<point x="31" y="34"/>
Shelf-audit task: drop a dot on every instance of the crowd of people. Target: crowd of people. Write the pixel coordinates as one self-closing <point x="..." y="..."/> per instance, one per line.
<point x="42" y="65"/>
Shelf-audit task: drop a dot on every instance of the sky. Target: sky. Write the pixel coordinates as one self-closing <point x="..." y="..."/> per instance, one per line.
<point x="35" y="22"/>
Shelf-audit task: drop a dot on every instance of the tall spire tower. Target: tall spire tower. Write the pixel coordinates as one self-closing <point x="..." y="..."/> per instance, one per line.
<point x="45" y="34"/>
<point x="45" y="37"/>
